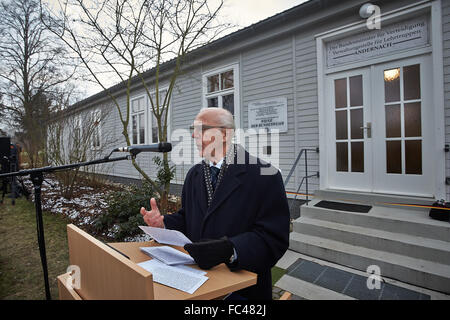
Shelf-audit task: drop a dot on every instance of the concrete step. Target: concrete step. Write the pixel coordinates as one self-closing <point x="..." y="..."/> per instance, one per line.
<point x="415" y="271"/>
<point x="370" y="198"/>
<point x="291" y="257"/>
<point x="396" y="220"/>
<point x="412" y="246"/>
<point x="307" y="290"/>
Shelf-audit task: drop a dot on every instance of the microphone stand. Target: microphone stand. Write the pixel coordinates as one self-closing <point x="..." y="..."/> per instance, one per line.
<point x="37" y="177"/>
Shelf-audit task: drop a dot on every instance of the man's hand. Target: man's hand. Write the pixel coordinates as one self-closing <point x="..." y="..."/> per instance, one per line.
<point x="210" y="253"/>
<point x="153" y="218"/>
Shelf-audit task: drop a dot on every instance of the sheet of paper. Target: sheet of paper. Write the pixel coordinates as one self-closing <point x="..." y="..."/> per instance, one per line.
<point x="174" y="276"/>
<point x="192" y="270"/>
<point x="166" y="236"/>
<point x="168" y="255"/>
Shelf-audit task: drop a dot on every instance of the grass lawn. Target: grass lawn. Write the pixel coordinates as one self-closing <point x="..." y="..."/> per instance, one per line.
<point x="277" y="273"/>
<point x="21" y="275"/>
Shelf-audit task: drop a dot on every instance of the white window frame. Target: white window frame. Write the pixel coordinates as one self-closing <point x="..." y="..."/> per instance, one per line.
<point x="151" y="115"/>
<point x="235" y="90"/>
<point x="144" y="112"/>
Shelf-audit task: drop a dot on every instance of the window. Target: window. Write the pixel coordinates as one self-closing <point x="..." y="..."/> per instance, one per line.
<point x="96" y="129"/>
<point x="221" y="89"/>
<point x="154" y="124"/>
<point x="138" y="120"/>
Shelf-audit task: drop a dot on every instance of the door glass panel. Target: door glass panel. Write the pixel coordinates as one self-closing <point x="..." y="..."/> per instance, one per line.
<point x="340" y="93"/>
<point x="341" y="125"/>
<point x="411" y="82"/>
<point x="394" y="157"/>
<point x="393" y="121"/>
<point x="413" y="120"/>
<point x="357" y="156"/>
<point x="413" y="156"/>
<point x="392" y="85"/>
<point x="356" y="123"/>
<point x="356" y="91"/>
<point x="342" y="156"/>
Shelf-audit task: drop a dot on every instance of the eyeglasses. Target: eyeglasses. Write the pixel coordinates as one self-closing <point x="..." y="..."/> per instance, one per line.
<point x="202" y="128"/>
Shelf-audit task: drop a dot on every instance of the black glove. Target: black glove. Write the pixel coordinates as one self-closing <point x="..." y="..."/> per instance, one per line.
<point x="210" y="253"/>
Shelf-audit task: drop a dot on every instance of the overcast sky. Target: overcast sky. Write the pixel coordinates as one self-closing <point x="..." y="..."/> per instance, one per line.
<point x="247" y="12"/>
<point x="240" y="13"/>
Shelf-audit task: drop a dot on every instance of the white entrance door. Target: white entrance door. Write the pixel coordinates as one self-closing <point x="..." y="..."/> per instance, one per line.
<point x="403" y="117"/>
<point x="349" y="147"/>
<point x="380" y="128"/>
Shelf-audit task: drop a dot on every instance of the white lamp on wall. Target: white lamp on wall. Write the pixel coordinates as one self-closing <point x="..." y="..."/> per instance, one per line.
<point x="366" y="10"/>
<point x="372" y="13"/>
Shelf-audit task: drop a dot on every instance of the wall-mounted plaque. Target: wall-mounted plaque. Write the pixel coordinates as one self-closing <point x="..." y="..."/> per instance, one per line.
<point x="268" y="113"/>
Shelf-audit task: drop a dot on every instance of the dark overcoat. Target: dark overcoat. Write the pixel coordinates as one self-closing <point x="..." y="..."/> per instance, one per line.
<point x="250" y="207"/>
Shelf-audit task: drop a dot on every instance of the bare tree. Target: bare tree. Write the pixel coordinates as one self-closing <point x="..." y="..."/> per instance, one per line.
<point x="120" y="40"/>
<point x="76" y="138"/>
<point x="32" y="71"/>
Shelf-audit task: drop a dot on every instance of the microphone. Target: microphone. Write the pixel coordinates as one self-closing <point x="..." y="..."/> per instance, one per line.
<point x="156" y="147"/>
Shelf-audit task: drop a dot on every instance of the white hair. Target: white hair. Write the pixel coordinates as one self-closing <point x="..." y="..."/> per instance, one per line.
<point x="222" y="117"/>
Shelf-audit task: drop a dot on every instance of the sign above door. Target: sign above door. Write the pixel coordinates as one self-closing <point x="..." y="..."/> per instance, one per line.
<point x="400" y="36"/>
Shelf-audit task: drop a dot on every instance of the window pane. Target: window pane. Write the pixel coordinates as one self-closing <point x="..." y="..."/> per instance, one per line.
<point x="393" y="122"/>
<point x="137" y="105"/>
<point x="227" y="80"/>
<point x="154" y="135"/>
<point x="342" y="156"/>
<point x="228" y="103"/>
<point x="213" y="102"/>
<point x="413" y="120"/>
<point x="141" y="129"/>
<point x="213" y="83"/>
<point x="163" y="116"/>
<point x="154" y="129"/>
<point x="392" y="85"/>
<point x="413" y="156"/>
<point x="356" y="120"/>
<point x="356" y="91"/>
<point x="341" y="125"/>
<point x="411" y="82"/>
<point x="97" y="140"/>
<point x="357" y="156"/>
<point x="134" y="124"/>
<point x="340" y="93"/>
<point x="394" y="157"/>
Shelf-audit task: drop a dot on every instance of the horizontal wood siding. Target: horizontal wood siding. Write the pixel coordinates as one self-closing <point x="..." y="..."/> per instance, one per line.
<point x="307" y="109"/>
<point x="267" y="72"/>
<point x="446" y="56"/>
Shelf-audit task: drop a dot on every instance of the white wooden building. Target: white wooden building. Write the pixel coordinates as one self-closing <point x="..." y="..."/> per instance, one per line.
<point x="376" y="102"/>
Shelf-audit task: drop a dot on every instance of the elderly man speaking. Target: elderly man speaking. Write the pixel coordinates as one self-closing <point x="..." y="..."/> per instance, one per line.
<point x="232" y="210"/>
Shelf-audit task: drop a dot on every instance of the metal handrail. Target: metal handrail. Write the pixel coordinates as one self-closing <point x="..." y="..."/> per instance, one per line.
<point x="306" y="177"/>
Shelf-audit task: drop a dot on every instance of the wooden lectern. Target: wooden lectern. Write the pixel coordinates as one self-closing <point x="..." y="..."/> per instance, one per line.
<point x="107" y="274"/>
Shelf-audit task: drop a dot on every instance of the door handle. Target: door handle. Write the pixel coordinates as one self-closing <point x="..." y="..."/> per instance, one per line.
<point x="368" y="127"/>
